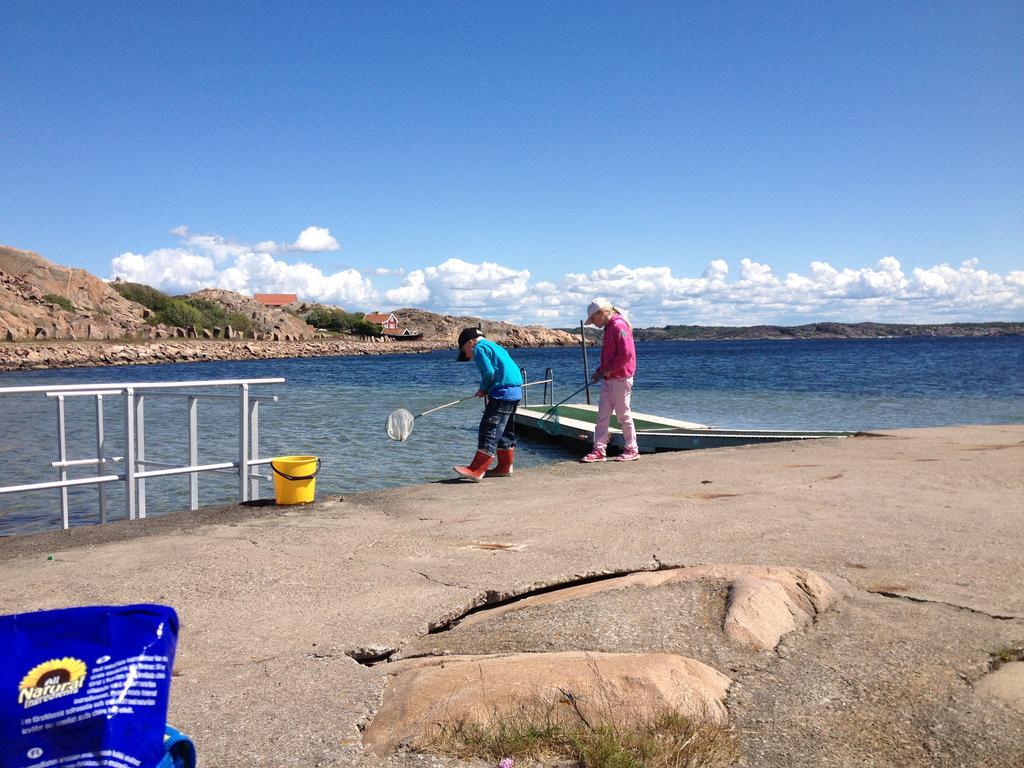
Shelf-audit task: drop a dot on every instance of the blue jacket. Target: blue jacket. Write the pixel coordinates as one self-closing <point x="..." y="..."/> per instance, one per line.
<point x="499" y="374"/>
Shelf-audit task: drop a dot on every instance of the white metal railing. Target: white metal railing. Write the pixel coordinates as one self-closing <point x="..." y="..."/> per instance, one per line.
<point x="136" y="467"/>
<point x="548" y="381"/>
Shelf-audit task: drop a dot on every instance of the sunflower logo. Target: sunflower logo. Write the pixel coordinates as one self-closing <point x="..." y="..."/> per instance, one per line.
<point x="51" y="679"/>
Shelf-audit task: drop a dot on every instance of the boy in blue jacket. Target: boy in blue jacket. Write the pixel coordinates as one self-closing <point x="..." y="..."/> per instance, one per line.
<point x="501" y="386"/>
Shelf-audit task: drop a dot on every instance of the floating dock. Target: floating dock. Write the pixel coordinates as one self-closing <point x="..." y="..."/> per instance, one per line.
<point x="574" y="425"/>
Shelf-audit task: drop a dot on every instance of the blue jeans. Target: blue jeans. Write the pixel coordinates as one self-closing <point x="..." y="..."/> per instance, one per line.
<point x="498" y="426"/>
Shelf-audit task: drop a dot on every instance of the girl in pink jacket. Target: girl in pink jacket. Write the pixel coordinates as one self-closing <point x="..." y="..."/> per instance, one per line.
<point x="618" y="364"/>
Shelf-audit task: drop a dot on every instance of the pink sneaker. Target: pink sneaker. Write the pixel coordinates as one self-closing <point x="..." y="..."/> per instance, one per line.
<point x="593" y="456"/>
<point x="632" y="455"/>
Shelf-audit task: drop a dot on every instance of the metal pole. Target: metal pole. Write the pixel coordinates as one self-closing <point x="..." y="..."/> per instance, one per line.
<point x="129" y="452"/>
<point x="193" y="452"/>
<point x="586" y="366"/>
<point x="140" y="451"/>
<point x="62" y="454"/>
<point x="254" y="427"/>
<point x="243" y="442"/>
<point x="522" y="373"/>
<point x="549" y="387"/>
<point x="101" y="463"/>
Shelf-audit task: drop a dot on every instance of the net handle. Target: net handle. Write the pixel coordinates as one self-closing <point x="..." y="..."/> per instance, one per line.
<point x="464" y="399"/>
<point x="446" y="405"/>
<point x="553" y="408"/>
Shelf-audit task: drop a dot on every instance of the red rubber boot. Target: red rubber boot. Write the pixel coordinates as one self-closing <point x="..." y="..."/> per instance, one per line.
<point x="475" y="471"/>
<point x="504" y="468"/>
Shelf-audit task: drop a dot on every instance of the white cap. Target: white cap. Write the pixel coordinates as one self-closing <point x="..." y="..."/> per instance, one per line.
<point x="595" y="306"/>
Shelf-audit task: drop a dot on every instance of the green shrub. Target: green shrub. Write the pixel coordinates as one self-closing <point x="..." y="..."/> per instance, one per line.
<point x="180" y="313"/>
<point x="239" y="321"/>
<point x="322" y="317"/>
<point x="142" y="294"/>
<point x="61" y="301"/>
<point x="361" y="327"/>
<point x="212" y="313"/>
<point x="340" y="320"/>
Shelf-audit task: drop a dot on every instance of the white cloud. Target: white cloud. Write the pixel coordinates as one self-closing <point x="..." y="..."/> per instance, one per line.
<point x="413" y="292"/>
<point x="752" y="272"/>
<point x="460" y="286"/>
<point x="716" y="271"/>
<point x="653" y="295"/>
<point x="169" y="269"/>
<point x="315" y="239"/>
<point x="207" y="261"/>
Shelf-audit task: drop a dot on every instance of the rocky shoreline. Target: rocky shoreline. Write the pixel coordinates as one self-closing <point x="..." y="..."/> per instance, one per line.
<point x="15" y="356"/>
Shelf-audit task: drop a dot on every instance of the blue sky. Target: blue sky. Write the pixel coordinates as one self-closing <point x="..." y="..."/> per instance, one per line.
<point x="725" y="163"/>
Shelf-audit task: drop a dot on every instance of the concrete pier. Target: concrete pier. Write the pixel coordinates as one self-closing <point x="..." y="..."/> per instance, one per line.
<point x="921" y="530"/>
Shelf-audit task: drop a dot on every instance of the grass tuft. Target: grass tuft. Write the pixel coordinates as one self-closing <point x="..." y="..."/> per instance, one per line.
<point x="61" y="301"/>
<point x="1006" y="654"/>
<point x="558" y="731"/>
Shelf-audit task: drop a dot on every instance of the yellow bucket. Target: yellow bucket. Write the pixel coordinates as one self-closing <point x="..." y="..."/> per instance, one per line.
<point x="295" y="478"/>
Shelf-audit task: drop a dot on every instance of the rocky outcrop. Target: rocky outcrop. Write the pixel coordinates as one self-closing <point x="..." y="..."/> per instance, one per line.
<point x="266" y="321"/>
<point x="423" y="693"/>
<point x="1006" y="684"/>
<point x="436" y="327"/>
<point x="96" y="310"/>
<point x="722" y="614"/>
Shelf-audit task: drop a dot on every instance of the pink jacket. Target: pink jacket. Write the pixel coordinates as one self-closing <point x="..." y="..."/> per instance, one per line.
<point x="618" y="353"/>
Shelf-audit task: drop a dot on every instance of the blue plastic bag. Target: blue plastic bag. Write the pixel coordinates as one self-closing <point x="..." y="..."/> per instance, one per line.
<point x="86" y="687"/>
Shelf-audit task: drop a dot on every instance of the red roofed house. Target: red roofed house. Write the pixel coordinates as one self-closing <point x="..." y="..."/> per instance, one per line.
<point x="385" y="321"/>
<point x="275" y="299"/>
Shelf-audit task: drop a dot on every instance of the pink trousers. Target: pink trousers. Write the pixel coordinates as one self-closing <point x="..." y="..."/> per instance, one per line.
<point x="615" y="394"/>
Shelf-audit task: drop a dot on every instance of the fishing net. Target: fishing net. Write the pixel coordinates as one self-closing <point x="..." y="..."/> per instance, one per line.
<point x="549" y="421"/>
<point x="399" y="424"/>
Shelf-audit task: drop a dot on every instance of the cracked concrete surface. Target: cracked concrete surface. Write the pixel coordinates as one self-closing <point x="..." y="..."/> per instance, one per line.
<point x="272" y="599"/>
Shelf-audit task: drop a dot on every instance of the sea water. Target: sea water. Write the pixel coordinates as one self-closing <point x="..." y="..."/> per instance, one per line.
<point x="335" y="408"/>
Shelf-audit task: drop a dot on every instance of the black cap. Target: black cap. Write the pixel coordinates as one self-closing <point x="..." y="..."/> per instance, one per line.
<point x="468" y="334"/>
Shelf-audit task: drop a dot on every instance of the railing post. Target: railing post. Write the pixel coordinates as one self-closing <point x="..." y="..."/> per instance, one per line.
<point x="254" y="427"/>
<point x="101" y="466"/>
<point x="62" y="456"/>
<point x="549" y="394"/>
<point x="243" y="442"/>
<point x="526" y="389"/>
<point x="129" y="451"/>
<point x="193" y="452"/>
<point x="140" y="451"/>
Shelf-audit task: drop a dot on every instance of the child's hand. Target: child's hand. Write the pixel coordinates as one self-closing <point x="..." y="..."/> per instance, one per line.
<point x="596" y="377"/>
<point x="481" y="393"/>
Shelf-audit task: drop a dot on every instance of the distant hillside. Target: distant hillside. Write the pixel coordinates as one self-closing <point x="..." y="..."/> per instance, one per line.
<point x="827" y="331"/>
<point x="815" y="331"/>
<point x="436" y="327"/>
